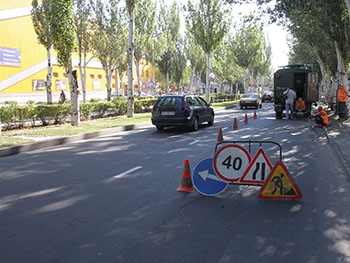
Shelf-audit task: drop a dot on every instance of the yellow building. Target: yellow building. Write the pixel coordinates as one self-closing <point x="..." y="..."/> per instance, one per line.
<point x="23" y="61"/>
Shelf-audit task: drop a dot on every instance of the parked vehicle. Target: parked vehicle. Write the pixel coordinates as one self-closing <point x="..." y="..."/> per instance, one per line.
<point x="250" y="100"/>
<point x="181" y="110"/>
<point x="302" y="80"/>
<point x="267" y="96"/>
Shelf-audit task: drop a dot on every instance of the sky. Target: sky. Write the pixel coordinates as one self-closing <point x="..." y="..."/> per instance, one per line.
<point x="276" y="35"/>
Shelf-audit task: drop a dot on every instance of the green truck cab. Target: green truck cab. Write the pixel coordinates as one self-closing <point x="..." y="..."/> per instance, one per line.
<point x="302" y="80"/>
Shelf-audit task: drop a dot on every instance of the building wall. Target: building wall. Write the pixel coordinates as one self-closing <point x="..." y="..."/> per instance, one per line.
<point x="23" y="61"/>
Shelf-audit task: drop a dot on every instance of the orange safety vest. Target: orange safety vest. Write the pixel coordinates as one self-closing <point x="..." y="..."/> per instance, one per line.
<point x="324" y="116"/>
<point x="300" y="105"/>
<point x="342" y="94"/>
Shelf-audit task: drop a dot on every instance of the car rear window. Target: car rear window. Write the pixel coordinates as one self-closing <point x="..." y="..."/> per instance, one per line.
<point x="249" y="96"/>
<point x="174" y="102"/>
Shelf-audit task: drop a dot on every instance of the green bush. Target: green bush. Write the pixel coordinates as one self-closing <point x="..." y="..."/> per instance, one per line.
<point x="21" y="115"/>
<point x="120" y="105"/>
<point x="86" y="109"/>
<point x="13" y="116"/>
<point x="59" y="112"/>
<point x="11" y="103"/>
<point x="43" y="113"/>
<point x="102" y="107"/>
<point x="7" y="116"/>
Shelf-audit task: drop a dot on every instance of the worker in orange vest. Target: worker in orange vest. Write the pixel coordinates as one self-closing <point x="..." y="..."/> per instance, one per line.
<point x="300" y="107"/>
<point x="342" y="99"/>
<point x="321" y="117"/>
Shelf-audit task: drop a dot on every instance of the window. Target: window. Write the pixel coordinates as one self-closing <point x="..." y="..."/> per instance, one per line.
<point x="190" y="101"/>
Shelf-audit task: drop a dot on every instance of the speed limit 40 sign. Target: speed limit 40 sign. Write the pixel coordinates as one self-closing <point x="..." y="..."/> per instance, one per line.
<point x="230" y="162"/>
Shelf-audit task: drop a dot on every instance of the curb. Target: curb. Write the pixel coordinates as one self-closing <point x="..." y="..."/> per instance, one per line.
<point x="338" y="153"/>
<point x="68" y="139"/>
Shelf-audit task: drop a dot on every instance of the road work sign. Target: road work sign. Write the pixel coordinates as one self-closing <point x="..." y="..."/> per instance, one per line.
<point x="205" y="179"/>
<point x="279" y="185"/>
<point x="230" y="162"/>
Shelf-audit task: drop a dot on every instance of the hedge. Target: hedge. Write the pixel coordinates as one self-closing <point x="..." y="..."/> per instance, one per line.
<point x="13" y="116"/>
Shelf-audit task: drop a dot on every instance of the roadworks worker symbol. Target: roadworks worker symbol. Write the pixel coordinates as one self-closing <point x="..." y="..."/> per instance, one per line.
<point x="279" y="185"/>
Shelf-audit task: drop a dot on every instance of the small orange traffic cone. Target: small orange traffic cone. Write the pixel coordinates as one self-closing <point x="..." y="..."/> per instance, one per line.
<point x="186" y="181"/>
<point x="254" y="117"/>
<point x="220" y="136"/>
<point x="246" y="119"/>
<point x="235" y="124"/>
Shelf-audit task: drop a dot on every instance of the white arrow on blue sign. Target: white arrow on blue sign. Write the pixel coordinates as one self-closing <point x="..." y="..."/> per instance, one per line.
<point x="205" y="179"/>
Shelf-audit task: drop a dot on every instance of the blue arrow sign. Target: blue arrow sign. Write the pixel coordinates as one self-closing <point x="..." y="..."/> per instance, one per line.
<point x="205" y="179"/>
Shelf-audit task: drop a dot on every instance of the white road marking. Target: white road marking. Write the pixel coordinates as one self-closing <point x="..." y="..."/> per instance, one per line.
<point x="194" y="142"/>
<point x="126" y="172"/>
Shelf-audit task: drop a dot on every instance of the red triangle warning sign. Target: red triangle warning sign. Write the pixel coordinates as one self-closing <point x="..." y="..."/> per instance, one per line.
<point x="280" y="185"/>
<point x="258" y="170"/>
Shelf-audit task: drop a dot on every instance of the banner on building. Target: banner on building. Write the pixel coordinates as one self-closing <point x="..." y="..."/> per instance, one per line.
<point x="61" y="84"/>
<point x="10" y="57"/>
<point x="38" y="84"/>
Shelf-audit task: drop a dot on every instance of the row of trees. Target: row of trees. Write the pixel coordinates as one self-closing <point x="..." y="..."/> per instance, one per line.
<point x="320" y="31"/>
<point x="120" y="34"/>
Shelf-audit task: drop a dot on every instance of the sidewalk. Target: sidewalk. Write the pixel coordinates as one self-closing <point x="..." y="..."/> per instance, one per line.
<point x="338" y="134"/>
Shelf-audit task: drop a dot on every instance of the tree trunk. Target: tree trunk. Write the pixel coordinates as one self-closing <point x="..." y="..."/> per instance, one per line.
<point x="167" y="82"/>
<point x="342" y="76"/>
<point x="83" y="81"/>
<point x="83" y="74"/>
<point x="179" y="89"/>
<point x="326" y="84"/>
<point x="117" y="82"/>
<point x="74" y="104"/>
<point x="207" y="84"/>
<point x="130" y="107"/>
<point x="347" y="2"/>
<point x="49" y="77"/>
<point x="139" y="85"/>
<point x="109" y="84"/>
<point x="154" y="77"/>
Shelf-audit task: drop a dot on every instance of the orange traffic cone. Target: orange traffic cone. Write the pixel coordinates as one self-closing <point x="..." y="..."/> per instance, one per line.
<point x="235" y="124"/>
<point x="220" y="137"/>
<point x="254" y="117"/>
<point x="246" y="119"/>
<point x="186" y="181"/>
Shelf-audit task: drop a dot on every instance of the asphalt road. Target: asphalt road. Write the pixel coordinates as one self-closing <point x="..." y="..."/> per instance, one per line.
<point x="114" y="199"/>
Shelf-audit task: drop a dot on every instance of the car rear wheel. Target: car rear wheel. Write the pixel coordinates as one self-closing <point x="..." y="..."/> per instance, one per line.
<point x="195" y="124"/>
<point x="159" y="128"/>
<point x="211" y="120"/>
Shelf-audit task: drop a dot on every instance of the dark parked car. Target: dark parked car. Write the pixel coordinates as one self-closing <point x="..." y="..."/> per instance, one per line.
<point x="267" y="96"/>
<point x="250" y="100"/>
<point x="181" y="110"/>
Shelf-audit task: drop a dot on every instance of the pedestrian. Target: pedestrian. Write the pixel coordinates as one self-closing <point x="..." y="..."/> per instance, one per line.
<point x="300" y="107"/>
<point x="342" y="99"/>
<point x="321" y="117"/>
<point x="62" y="97"/>
<point x="290" y="96"/>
